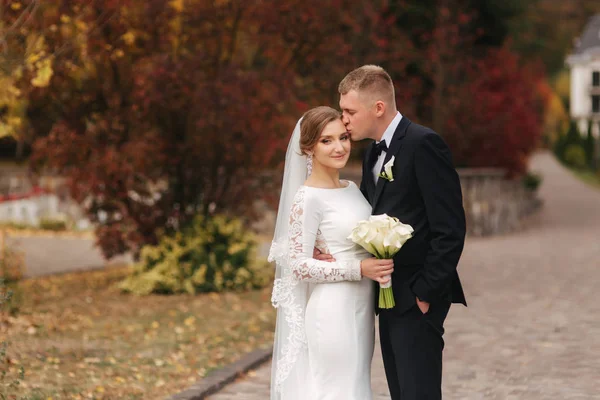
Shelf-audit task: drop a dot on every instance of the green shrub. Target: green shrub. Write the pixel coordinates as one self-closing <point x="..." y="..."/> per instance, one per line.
<point x="15" y="225"/>
<point x="210" y="255"/>
<point x="51" y="224"/>
<point x="531" y="181"/>
<point x="575" y="156"/>
<point x="571" y="137"/>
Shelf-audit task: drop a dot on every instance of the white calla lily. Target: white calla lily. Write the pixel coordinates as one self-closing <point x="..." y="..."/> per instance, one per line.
<point x="387" y="170"/>
<point x="383" y="236"/>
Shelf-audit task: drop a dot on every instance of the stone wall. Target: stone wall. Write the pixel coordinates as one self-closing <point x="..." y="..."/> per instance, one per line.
<point x="493" y="204"/>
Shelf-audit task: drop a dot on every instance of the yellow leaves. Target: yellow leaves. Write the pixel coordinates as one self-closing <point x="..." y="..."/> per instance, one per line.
<point x="12" y="90"/>
<point x="107" y="356"/>
<point x="35" y="49"/>
<point x="253" y="327"/>
<point x="128" y="38"/>
<point x="44" y="73"/>
<point x="65" y="19"/>
<point x="177" y="5"/>
<point x="118" y="53"/>
<point x="16" y="6"/>
<point x="556" y="120"/>
<point x="562" y="84"/>
<point x="36" y="59"/>
<point x="81" y="25"/>
<point x="200" y="339"/>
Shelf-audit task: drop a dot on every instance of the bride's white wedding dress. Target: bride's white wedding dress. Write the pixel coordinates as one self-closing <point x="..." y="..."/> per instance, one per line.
<point x="336" y="347"/>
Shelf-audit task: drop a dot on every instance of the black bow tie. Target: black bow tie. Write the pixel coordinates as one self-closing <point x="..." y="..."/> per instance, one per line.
<point x="379" y="147"/>
<point x="376" y="152"/>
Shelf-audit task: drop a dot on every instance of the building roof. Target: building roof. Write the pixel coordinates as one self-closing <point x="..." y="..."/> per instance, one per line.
<point x="590" y="37"/>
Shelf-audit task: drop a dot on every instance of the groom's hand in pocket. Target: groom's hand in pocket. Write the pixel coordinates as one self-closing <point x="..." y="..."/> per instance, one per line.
<point x="377" y="270"/>
<point x="322" y="256"/>
<point x="423" y="306"/>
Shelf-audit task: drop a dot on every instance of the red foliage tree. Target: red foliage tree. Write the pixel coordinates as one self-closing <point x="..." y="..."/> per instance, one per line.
<point x="157" y="111"/>
<point x="173" y="109"/>
<point x="496" y="119"/>
<point x="486" y="102"/>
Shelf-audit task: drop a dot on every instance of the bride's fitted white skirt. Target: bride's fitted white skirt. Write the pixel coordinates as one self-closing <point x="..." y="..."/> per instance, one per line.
<point x="340" y="331"/>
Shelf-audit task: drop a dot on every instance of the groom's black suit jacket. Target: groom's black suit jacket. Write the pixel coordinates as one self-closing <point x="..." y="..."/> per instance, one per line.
<point x="426" y="194"/>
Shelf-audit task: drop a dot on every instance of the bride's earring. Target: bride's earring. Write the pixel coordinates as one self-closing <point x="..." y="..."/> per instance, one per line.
<point x="309" y="163"/>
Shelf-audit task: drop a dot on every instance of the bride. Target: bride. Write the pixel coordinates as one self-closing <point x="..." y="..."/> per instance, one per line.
<point x="325" y="333"/>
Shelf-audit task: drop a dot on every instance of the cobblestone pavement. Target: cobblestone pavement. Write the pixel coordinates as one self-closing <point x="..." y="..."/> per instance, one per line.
<point x="532" y="328"/>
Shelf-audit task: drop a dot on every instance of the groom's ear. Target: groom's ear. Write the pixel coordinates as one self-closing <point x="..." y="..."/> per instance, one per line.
<point x="380" y="108"/>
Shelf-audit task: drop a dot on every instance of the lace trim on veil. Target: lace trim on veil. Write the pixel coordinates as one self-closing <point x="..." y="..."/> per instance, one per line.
<point x="283" y="297"/>
<point x="285" y="290"/>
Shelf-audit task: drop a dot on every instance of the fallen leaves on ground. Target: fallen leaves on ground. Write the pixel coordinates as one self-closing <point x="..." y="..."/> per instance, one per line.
<point x="78" y="337"/>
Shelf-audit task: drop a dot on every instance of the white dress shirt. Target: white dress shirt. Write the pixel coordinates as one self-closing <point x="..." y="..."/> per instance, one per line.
<point x="387" y="136"/>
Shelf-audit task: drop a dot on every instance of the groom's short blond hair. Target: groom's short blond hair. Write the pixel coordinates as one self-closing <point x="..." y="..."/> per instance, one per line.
<point x="370" y="81"/>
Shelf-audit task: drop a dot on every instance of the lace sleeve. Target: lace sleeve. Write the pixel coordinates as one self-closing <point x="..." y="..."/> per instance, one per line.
<point x="304" y="226"/>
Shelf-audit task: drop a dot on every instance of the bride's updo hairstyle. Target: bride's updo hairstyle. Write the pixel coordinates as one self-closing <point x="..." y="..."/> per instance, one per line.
<point x="313" y="123"/>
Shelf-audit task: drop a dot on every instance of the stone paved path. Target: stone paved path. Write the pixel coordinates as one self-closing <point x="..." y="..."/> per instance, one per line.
<point x="53" y="255"/>
<point x="532" y="328"/>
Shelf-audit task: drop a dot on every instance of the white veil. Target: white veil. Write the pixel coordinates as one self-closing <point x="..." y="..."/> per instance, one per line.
<point x="290" y="296"/>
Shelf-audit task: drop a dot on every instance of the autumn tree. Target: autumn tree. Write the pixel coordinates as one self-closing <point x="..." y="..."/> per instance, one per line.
<point x="174" y="109"/>
<point x="499" y="120"/>
<point x="472" y="82"/>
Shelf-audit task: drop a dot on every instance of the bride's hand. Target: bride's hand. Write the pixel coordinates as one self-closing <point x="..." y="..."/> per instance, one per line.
<point x="377" y="270"/>
<point x="322" y="256"/>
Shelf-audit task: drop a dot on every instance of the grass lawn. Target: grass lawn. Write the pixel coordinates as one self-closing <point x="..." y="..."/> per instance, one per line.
<point x="80" y="338"/>
<point x="588" y="177"/>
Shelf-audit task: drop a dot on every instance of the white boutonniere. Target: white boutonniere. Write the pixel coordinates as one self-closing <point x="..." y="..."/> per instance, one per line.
<point x="387" y="170"/>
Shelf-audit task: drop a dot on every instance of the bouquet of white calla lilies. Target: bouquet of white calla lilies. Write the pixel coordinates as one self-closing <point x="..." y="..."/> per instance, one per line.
<point x="383" y="236"/>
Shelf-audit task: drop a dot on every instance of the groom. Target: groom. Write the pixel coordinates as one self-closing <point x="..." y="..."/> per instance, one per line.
<point x="425" y="192"/>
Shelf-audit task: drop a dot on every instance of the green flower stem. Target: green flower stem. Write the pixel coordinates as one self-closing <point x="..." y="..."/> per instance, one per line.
<point x="386" y="298"/>
<point x="376" y="253"/>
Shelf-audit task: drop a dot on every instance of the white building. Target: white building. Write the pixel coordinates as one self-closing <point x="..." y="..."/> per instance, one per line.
<point x="585" y="78"/>
<point x="22" y="202"/>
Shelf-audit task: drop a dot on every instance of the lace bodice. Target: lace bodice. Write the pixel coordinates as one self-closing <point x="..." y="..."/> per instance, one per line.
<point x="324" y="218"/>
<point x="304" y="235"/>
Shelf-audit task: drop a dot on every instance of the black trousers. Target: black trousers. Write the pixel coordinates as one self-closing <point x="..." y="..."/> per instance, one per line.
<point x="412" y="346"/>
